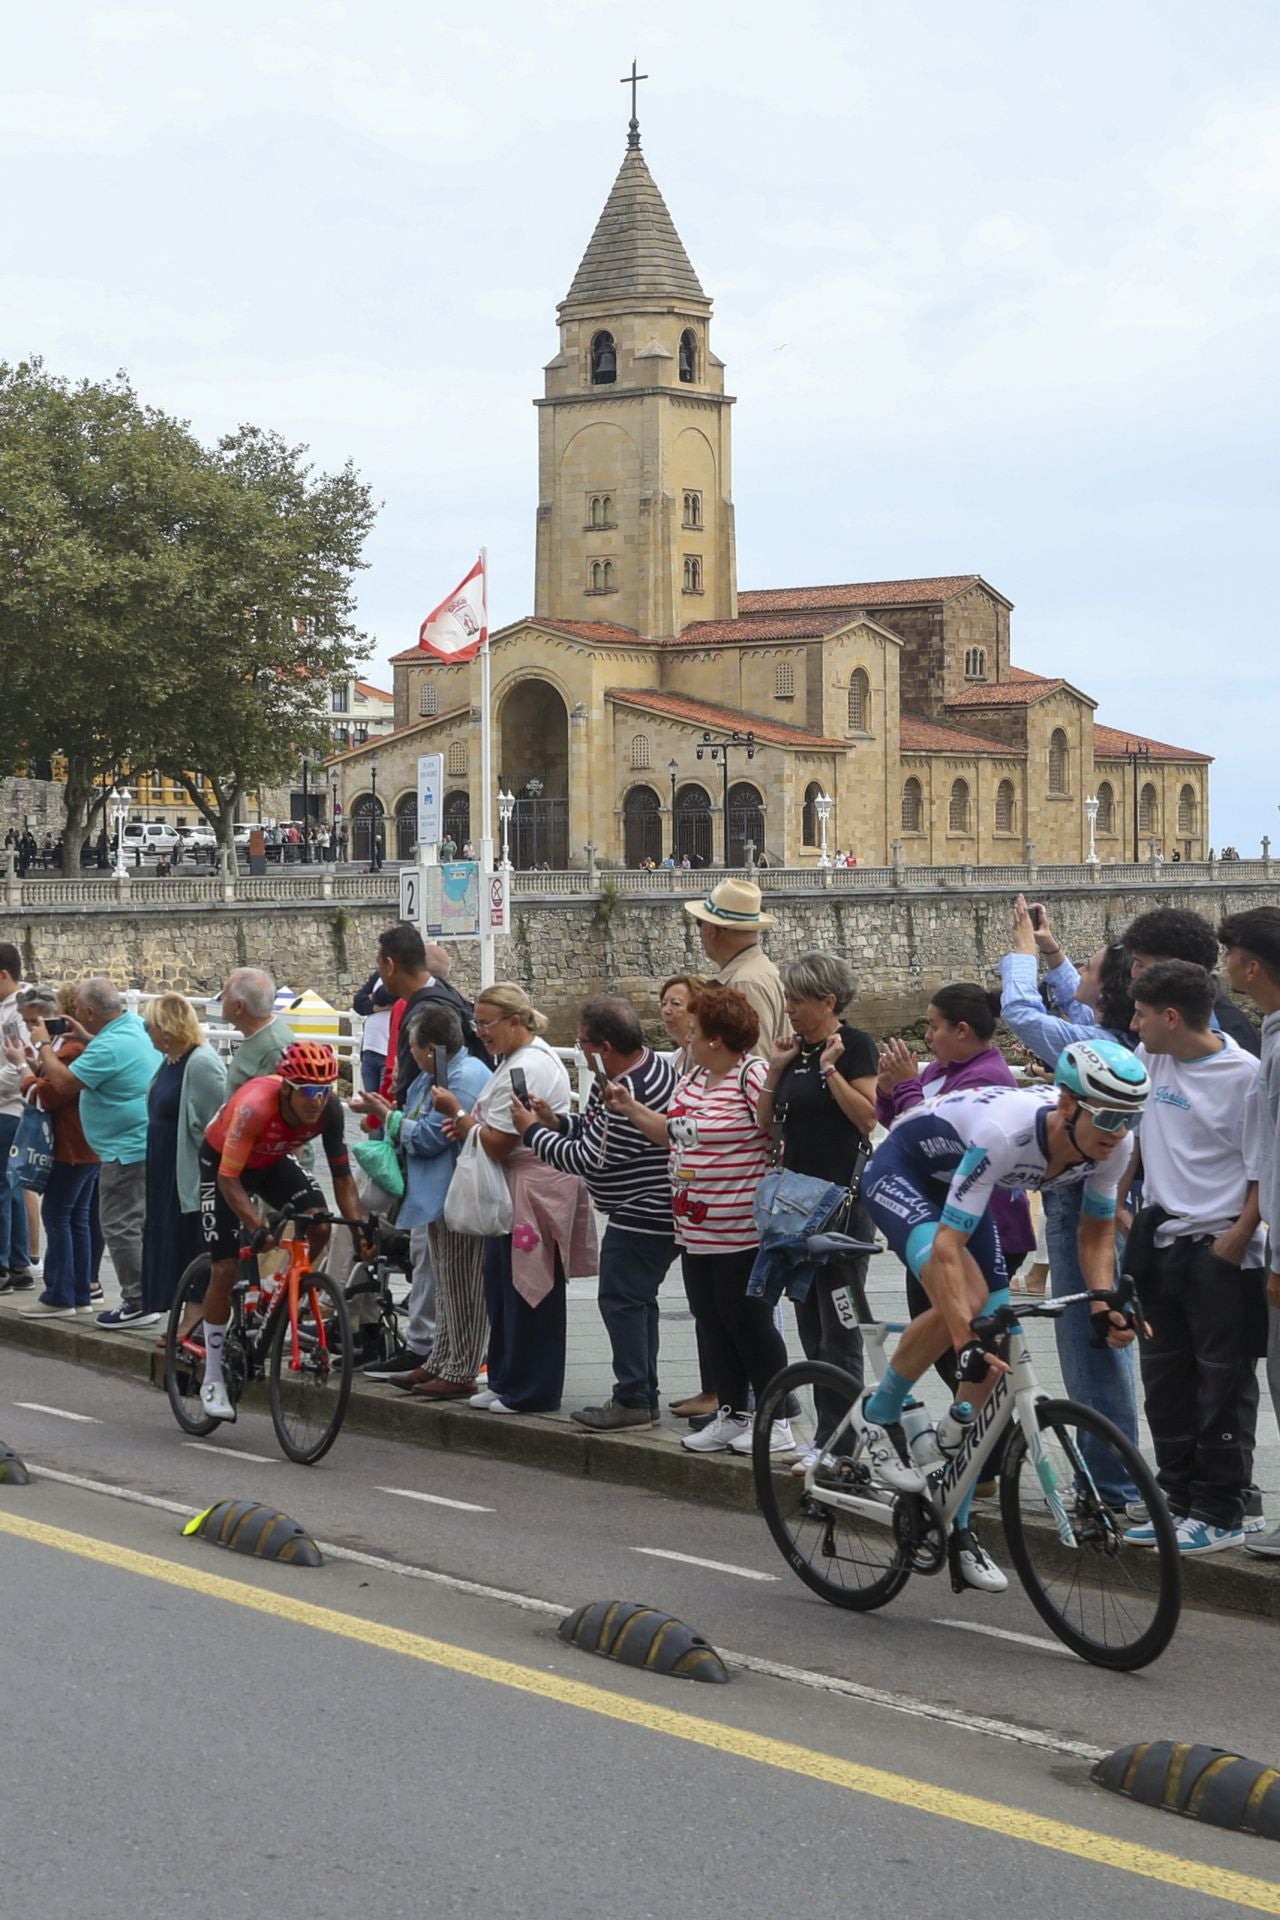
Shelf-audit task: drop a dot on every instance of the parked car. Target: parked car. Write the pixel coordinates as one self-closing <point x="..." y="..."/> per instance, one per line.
<point x="200" y="835"/>
<point x="151" y="836"/>
<point x="241" y="835"/>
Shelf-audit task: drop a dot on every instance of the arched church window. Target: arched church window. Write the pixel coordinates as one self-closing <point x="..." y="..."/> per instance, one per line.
<point x="608" y="576"/>
<point x="457" y="757"/>
<point x="640" y="751"/>
<point x="604" y="360"/>
<point x="912" y="806"/>
<point x="1059" y="762"/>
<point x="692" y="509"/>
<point x="958" y="807"/>
<point x="1149" y="810"/>
<point x="428" y="699"/>
<point x="784" y="681"/>
<point x="688" y="356"/>
<point x="810" y="831"/>
<point x="597" y="510"/>
<point x="692" y="573"/>
<point x="1005" y="807"/>
<point x="597" y="576"/>
<point x="1106" y="808"/>
<point x="975" y="663"/>
<point x="859" y="702"/>
<point x="1187" y="810"/>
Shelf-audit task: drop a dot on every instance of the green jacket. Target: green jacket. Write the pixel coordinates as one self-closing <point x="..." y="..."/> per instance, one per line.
<point x="204" y="1088"/>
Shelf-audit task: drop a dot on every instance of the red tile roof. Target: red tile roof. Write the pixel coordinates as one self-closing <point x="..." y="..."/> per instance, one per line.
<point x="1109" y="743"/>
<point x="865" y="593"/>
<point x="919" y="735"/>
<point x="708" y="633"/>
<point x="1009" y="693"/>
<point x="674" y="706"/>
<point x="374" y="693"/>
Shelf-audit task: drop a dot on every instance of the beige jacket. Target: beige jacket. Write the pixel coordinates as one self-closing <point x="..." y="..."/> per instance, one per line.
<point x="754" y="975"/>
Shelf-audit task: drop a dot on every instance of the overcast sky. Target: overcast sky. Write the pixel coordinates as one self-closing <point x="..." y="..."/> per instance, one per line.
<point x="996" y="287"/>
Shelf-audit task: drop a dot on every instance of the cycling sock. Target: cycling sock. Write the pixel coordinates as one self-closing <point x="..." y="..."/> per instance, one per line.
<point x="213" y="1339"/>
<point x="962" y="1513"/>
<point x="889" y="1398"/>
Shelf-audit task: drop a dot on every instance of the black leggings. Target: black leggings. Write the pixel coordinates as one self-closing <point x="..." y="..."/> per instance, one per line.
<point x="742" y="1346"/>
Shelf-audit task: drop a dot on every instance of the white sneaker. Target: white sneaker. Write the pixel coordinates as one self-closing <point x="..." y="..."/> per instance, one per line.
<point x="780" y="1440"/>
<point x="498" y="1405"/>
<point x="886" y="1450"/>
<point x="484" y="1399"/>
<point x="977" y="1568"/>
<point x="216" y="1401"/>
<point x="719" y="1434"/>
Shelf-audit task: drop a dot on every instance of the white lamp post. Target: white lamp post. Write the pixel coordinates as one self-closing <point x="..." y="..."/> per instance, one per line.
<point x="506" y="807"/>
<point x="823" y="806"/>
<point x="120" y="802"/>
<point x="1091" y="815"/>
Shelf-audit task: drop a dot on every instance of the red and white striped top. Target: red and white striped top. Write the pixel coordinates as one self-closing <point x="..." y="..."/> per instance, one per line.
<point x="718" y="1156"/>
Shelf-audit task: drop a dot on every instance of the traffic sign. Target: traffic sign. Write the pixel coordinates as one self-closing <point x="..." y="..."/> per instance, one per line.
<point x="411" y="895"/>
<point x="495" y="918"/>
<point x="430" y="790"/>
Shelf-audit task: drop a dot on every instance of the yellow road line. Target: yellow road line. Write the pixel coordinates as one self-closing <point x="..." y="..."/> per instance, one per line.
<point x="1081" y="1843"/>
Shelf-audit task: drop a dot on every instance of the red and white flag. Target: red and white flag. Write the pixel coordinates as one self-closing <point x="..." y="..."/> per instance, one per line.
<point x="459" y="626"/>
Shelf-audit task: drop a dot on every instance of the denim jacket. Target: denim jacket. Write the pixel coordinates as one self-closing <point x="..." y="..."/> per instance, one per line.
<point x="788" y="1208"/>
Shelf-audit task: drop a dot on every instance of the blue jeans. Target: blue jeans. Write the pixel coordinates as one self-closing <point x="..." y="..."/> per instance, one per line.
<point x="68" y="1252"/>
<point x="1099" y="1377"/>
<point x="371" y="1067"/>
<point x="15" y="1248"/>
<point x="632" y="1268"/>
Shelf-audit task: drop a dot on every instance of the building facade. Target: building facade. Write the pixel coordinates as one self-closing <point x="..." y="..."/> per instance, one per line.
<point x="616" y="700"/>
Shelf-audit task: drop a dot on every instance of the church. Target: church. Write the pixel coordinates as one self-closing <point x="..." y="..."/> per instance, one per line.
<point x="648" y="707"/>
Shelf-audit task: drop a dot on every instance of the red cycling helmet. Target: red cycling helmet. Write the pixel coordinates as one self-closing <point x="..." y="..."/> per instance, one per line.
<point x="308" y="1063"/>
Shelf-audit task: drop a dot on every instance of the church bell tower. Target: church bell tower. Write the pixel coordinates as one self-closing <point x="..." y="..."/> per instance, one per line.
<point x="635" y="510"/>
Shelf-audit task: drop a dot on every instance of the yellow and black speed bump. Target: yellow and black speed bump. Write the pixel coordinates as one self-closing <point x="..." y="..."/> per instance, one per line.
<point x="13" y="1471"/>
<point x="642" y="1637"/>
<point x="1201" y="1783"/>
<point x="245" y="1527"/>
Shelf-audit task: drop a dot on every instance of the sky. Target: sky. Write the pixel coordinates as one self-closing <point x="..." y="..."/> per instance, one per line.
<point x="997" y="289"/>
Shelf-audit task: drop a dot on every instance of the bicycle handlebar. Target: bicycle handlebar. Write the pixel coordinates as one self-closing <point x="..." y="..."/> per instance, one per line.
<point x="1123" y="1298"/>
<point x="270" y="1229"/>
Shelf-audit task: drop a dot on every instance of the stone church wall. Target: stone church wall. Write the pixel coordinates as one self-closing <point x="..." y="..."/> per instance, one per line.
<point x="903" y="945"/>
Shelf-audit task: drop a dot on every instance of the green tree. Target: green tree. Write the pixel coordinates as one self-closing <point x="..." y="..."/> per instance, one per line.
<point x="162" y="604"/>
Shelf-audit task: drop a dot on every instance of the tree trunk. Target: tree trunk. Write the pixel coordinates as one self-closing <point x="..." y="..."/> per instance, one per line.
<point x="78" y="809"/>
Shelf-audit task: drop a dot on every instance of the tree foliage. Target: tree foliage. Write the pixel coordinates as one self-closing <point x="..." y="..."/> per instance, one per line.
<point x="163" y="604"/>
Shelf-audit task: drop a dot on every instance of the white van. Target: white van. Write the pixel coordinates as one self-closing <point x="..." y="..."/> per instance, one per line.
<point x="151" y="836"/>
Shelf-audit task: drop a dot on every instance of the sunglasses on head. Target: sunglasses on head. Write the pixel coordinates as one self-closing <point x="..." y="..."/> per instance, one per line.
<point x="1110" y="1119"/>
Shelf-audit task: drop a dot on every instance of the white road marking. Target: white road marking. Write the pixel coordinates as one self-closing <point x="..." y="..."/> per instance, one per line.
<point x="1039" y="1737"/>
<point x="1006" y="1633"/>
<point x="437" y="1500"/>
<point x="714" y="1566"/>
<point x="234" y="1453"/>
<point x="59" y="1413"/>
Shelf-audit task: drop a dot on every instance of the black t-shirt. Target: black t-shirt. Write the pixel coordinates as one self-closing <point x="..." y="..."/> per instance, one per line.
<point x="407" y="1068"/>
<point x="818" y="1137"/>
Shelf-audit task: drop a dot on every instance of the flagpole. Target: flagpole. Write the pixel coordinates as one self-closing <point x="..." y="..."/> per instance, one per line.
<point x="488" y="945"/>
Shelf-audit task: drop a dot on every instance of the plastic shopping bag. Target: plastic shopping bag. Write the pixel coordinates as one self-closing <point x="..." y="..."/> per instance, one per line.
<point x="478" y="1200"/>
<point x="31" y="1154"/>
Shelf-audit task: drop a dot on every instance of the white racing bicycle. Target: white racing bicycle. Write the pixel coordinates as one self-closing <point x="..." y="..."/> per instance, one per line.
<point x="857" y="1543"/>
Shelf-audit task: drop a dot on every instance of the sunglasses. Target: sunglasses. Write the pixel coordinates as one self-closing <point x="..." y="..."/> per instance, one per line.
<point x="1109" y="1119"/>
<point x="310" y="1093"/>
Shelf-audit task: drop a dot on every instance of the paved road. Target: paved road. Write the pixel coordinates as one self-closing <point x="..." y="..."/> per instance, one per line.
<point x="158" y="1705"/>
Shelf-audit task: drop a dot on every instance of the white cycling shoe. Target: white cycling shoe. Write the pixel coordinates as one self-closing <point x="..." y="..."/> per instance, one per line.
<point x="216" y="1401"/>
<point x="886" y="1450"/>
<point x="977" y="1568"/>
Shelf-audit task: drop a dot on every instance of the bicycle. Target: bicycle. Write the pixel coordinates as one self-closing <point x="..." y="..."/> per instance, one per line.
<point x="372" y="1277"/>
<point x="856" y="1543"/>
<point x="291" y="1327"/>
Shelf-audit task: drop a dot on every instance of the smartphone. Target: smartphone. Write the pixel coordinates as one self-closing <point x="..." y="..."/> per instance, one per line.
<point x="596" y="1065"/>
<point x="520" y="1086"/>
<point x="1037" y="918"/>
<point x="440" y="1071"/>
<point x="54" y="1026"/>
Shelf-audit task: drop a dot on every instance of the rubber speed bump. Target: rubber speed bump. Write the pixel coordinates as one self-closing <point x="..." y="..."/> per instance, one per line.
<point x="1201" y="1783"/>
<point x="640" y="1636"/>
<point x="245" y="1527"/>
<point x="13" y="1471"/>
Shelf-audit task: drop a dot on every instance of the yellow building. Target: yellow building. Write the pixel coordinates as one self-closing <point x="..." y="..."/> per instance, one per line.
<point x="614" y="699"/>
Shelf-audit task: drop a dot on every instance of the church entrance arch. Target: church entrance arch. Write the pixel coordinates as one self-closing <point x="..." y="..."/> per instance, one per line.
<point x="641" y="827"/>
<point x="364" y="810"/>
<point x="533" y="762"/>
<point x="746" y="822"/>
<point x="693" y="824"/>
<point x="407" y="827"/>
<point x="457" y="817"/>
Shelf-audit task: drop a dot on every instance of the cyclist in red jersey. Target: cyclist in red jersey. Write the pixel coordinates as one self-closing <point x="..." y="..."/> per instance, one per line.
<point x="247" y="1155"/>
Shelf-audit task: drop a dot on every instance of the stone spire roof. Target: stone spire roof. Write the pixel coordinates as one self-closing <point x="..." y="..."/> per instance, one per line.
<point x="635" y="252"/>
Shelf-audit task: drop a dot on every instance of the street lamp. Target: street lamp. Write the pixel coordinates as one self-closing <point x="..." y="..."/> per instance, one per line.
<point x="375" y="850"/>
<point x="672" y="770"/>
<point x="822" y="806"/>
<point x="506" y="807"/>
<point x="1091" y="815"/>
<point x="333" y="820"/>
<point x="719" y="750"/>
<point x="121" y="801"/>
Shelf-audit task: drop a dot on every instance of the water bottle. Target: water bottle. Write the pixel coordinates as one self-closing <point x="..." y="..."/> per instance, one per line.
<point x="953" y="1426"/>
<point x="922" y="1443"/>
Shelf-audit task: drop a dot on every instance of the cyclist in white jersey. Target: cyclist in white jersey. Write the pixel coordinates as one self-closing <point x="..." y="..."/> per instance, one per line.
<point x="928" y="1188"/>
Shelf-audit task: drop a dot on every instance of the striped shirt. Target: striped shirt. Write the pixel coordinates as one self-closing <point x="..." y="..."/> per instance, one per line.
<point x="626" y="1174"/>
<point x="718" y="1156"/>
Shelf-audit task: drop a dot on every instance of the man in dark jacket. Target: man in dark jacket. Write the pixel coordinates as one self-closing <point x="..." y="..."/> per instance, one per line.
<point x="417" y="974"/>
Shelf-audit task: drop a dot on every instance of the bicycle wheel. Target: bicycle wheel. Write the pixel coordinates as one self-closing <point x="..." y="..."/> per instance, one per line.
<point x="184" y="1357"/>
<point x="308" y="1401"/>
<point x="1114" y="1605"/>
<point x="849" y="1561"/>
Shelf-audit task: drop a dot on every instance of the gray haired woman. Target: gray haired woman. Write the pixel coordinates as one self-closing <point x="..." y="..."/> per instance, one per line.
<point x="819" y="1095"/>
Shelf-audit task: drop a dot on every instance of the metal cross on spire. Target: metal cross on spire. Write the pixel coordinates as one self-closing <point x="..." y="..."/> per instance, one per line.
<point x="633" y="80"/>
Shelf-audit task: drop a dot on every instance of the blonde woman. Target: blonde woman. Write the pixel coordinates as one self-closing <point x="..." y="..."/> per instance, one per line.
<point x="553" y="1237"/>
<point x="189" y="1087"/>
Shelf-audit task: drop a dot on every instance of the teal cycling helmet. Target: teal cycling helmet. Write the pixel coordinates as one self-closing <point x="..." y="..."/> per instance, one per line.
<point x="1103" y="1073"/>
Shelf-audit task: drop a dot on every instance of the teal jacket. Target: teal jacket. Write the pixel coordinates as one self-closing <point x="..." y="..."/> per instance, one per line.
<point x="204" y="1088"/>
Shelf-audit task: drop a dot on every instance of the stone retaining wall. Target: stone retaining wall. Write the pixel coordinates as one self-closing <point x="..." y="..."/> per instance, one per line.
<point x="901" y="945"/>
